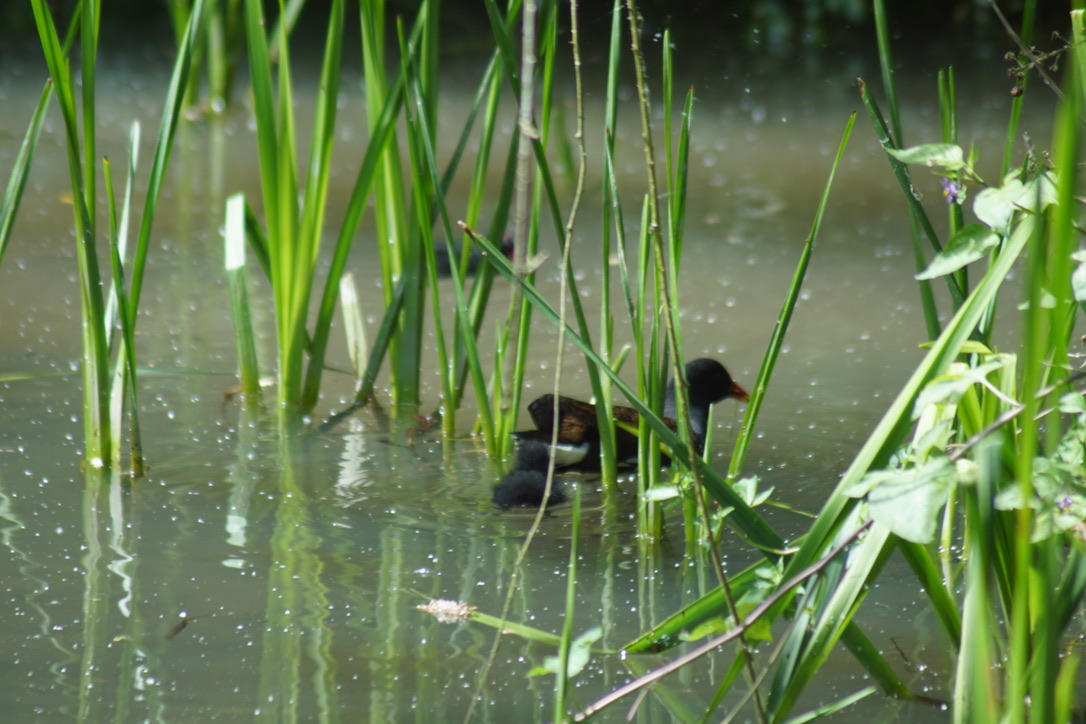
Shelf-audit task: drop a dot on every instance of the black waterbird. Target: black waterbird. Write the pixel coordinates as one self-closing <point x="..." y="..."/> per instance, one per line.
<point x="578" y="428"/>
<point x="527" y="483"/>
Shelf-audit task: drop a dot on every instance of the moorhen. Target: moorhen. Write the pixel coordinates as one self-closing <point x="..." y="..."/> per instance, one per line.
<point x="527" y="483"/>
<point x="578" y="429"/>
<point x="441" y="256"/>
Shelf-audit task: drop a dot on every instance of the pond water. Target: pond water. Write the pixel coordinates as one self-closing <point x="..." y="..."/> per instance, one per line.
<point x="301" y="563"/>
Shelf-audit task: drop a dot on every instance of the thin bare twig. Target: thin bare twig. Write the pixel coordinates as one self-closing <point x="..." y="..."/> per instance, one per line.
<point x="682" y="401"/>
<point x="1011" y="414"/>
<point x="712" y="644"/>
<point x="1028" y="52"/>
<point x="522" y="202"/>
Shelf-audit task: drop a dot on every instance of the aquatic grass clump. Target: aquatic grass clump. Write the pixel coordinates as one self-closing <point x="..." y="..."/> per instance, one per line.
<point x="288" y="245"/>
<point x="108" y="364"/>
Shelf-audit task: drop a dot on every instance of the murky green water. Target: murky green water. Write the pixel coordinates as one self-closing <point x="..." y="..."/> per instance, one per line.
<point x="304" y="566"/>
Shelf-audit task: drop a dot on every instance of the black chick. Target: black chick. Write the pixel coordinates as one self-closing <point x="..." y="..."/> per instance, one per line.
<point x="527" y="483"/>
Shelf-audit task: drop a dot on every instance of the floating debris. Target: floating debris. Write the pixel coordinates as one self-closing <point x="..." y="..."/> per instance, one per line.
<point x="446" y="611"/>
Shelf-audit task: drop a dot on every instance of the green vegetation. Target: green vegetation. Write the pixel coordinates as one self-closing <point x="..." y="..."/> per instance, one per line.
<point x="981" y="451"/>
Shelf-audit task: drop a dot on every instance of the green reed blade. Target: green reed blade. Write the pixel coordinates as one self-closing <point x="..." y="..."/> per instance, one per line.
<point x="258" y="241"/>
<point x="263" y="111"/>
<point x="400" y="255"/>
<point x="1035" y="645"/>
<point x="289" y="13"/>
<point x="118" y="228"/>
<point x="95" y="347"/>
<point x="369" y="172"/>
<point x="776" y="342"/>
<point x="424" y="183"/>
<point x="886" y="66"/>
<point x="171" y="113"/>
<point x="919" y="216"/>
<point x="291" y="251"/>
<point x="124" y="374"/>
<point x="614" y="205"/>
<point x="13" y="194"/>
<point x="562" y="684"/>
<point x="605" y="404"/>
<point x="354" y="329"/>
<point x="318" y="175"/>
<point x="124" y="371"/>
<point x="236" y="233"/>
<point x="90" y="19"/>
<point x="381" y="343"/>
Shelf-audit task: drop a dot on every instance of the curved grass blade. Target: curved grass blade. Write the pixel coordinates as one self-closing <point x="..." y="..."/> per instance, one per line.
<point x="13" y="194"/>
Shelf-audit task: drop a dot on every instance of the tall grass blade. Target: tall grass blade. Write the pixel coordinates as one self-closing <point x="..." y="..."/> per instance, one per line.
<point x="167" y="131"/>
<point x="776" y="342"/>
<point x="234" y="240"/>
<point x="90" y="17"/>
<point x="399" y="249"/>
<point x="13" y="193"/>
<point x="124" y="373"/>
<point x="95" y="346"/>
<point x="901" y="173"/>
<point x="370" y="172"/>
<point x="1029" y="19"/>
<point x="353" y="327"/>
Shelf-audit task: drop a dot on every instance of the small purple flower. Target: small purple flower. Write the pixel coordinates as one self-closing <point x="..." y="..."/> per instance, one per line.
<point x="1065" y="503"/>
<point x="953" y="191"/>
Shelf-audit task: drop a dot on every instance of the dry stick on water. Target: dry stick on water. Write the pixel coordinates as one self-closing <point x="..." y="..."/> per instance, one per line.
<point x="712" y="644"/>
<point x="681" y="398"/>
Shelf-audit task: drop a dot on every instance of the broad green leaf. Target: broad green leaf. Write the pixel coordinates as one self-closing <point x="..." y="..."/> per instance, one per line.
<point x="971" y="243"/>
<point x="1073" y="403"/>
<point x="1078" y="277"/>
<point x="951" y="386"/>
<point x="996" y="206"/>
<point x="579" y="651"/>
<point x="748" y="490"/>
<point x="947" y="155"/>
<point x="1057" y="502"/>
<point x="907" y="502"/>
<point x="658" y="493"/>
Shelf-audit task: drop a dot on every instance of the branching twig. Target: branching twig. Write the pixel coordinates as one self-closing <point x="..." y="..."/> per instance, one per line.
<point x="712" y="644"/>
<point x="1011" y="414"/>
<point x="1035" y="60"/>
